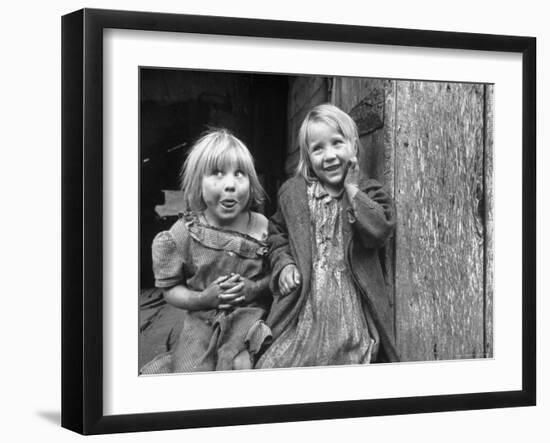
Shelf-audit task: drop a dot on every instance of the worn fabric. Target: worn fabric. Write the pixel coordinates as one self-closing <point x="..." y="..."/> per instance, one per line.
<point x="367" y="222"/>
<point x="331" y="328"/>
<point x="194" y="254"/>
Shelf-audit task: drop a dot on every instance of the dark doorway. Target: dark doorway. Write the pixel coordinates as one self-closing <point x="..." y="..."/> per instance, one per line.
<point x="176" y="106"/>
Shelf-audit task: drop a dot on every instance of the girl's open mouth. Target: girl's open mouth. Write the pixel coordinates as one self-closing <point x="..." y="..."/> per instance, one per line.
<point x="228" y="204"/>
<point x="332" y="168"/>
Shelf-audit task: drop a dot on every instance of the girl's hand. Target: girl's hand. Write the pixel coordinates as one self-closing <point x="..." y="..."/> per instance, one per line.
<point x="289" y="279"/>
<point x="353" y="174"/>
<point x="238" y="290"/>
<point x="210" y="297"/>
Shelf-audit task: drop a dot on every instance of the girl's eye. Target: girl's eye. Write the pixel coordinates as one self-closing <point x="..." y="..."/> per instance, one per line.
<point x="239" y="174"/>
<point x="217" y="172"/>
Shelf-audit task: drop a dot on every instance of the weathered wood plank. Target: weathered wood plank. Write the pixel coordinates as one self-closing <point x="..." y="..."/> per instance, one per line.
<point x="173" y="204"/>
<point x="348" y="91"/>
<point x="489" y="220"/>
<point x="388" y="179"/>
<point x="364" y="100"/>
<point x="389" y="136"/>
<point x="439" y="254"/>
<point x="302" y="88"/>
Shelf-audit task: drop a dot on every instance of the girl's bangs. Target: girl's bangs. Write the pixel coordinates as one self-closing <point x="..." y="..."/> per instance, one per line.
<point x="342" y="123"/>
<point x="328" y="120"/>
<point x="223" y="155"/>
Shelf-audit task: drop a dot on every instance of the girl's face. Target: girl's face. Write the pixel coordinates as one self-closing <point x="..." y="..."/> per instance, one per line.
<point x="226" y="192"/>
<point x="329" y="154"/>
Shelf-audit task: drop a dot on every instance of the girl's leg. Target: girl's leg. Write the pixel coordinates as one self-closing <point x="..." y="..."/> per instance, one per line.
<point x="243" y="360"/>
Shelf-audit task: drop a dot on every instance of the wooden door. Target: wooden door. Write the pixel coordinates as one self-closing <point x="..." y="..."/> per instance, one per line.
<point x="430" y="144"/>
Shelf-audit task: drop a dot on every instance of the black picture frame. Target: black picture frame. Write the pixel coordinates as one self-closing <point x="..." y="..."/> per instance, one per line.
<point x="82" y="220"/>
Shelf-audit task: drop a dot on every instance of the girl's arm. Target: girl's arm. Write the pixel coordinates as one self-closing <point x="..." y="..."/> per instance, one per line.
<point x="168" y="266"/>
<point x="279" y="250"/>
<point x="260" y="288"/>
<point x="372" y="212"/>
<point x="182" y="297"/>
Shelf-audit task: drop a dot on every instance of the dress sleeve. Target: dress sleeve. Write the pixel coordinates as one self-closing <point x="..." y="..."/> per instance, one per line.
<point x="373" y="214"/>
<point x="167" y="261"/>
<point x="279" y="249"/>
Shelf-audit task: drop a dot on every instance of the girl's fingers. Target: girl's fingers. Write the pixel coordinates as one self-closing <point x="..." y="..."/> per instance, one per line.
<point x="288" y="286"/>
<point x="231" y="303"/>
<point x="296" y="277"/>
<point x="221" y="279"/>
<point x="228" y="298"/>
<point x="230" y="282"/>
<point x="226" y="285"/>
<point x="233" y="289"/>
<point x="224" y="296"/>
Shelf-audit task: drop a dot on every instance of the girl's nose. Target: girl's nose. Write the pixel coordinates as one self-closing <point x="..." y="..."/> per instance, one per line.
<point x="329" y="154"/>
<point x="229" y="182"/>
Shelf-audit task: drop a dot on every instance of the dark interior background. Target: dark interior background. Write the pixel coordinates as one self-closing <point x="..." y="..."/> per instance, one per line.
<point x="176" y="106"/>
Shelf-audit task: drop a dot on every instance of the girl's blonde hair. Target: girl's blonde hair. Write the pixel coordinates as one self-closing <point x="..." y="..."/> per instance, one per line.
<point x="332" y="116"/>
<point x="212" y="151"/>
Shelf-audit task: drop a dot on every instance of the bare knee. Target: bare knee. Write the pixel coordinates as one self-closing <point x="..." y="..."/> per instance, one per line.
<point x="242" y="361"/>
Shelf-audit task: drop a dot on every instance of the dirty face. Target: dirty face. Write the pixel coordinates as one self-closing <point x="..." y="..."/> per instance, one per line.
<point x="329" y="154"/>
<point x="225" y="191"/>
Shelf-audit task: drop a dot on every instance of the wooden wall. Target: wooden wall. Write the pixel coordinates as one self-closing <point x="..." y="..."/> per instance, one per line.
<point x="304" y="93"/>
<point x="430" y="143"/>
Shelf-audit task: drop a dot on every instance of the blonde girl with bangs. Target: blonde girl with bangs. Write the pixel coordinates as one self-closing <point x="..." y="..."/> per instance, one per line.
<point x="330" y="302"/>
<point x="212" y="265"/>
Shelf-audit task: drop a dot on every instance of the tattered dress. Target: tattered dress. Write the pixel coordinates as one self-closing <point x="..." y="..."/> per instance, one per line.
<point x="194" y="254"/>
<point x="331" y="327"/>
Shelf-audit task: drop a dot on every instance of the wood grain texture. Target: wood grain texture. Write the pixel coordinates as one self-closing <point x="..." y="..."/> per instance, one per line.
<point x="388" y="179"/>
<point x="365" y="100"/>
<point x="439" y="191"/>
<point x="489" y="220"/>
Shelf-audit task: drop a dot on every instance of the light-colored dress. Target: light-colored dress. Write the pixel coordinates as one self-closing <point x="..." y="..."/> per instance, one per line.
<point x="194" y="254"/>
<point x="331" y="328"/>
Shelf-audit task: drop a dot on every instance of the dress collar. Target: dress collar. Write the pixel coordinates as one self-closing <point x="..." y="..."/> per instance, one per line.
<point x="319" y="191"/>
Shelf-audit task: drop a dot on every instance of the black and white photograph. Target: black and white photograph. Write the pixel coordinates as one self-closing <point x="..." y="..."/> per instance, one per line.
<point x="286" y="221"/>
<point x="275" y="222"/>
<point x="290" y="221"/>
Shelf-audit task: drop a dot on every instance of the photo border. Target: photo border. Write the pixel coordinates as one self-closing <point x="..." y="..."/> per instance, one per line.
<point x="82" y="220"/>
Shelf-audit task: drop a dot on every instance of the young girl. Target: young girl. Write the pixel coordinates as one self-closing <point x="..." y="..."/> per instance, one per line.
<point x="330" y="303"/>
<point x="211" y="262"/>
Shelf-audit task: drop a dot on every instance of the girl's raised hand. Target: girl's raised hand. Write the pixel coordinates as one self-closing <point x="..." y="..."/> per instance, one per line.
<point x="289" y="279"/>
<point x="353" y="173"/>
